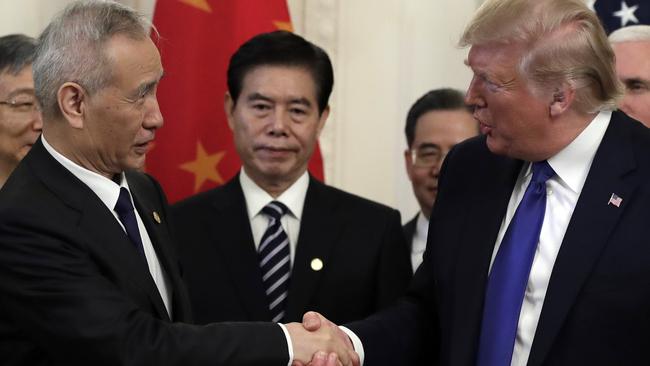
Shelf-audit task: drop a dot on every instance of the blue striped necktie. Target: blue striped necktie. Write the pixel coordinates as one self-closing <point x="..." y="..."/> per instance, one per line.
<point x="275" y="260"/>
<point x="510" y="271"/>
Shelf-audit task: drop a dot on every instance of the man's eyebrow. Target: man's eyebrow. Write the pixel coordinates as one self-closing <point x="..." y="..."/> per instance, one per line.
<point x="28" y="91"/>
<point x="258" y="96"/>
<point x="428" y="145"/>
<point x="301" y="100"/>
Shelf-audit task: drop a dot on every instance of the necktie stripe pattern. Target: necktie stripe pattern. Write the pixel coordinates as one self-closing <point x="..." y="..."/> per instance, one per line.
<point x="275" y="260"/>
<point x="126" y="214"/>
<point x="506" y="285"/>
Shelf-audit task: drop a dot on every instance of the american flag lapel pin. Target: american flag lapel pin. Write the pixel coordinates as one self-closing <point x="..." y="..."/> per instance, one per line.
<point x="615" y="200"/>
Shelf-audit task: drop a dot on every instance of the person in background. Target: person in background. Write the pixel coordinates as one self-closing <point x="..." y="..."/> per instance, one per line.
<point x="436" y="122"/>
<point x="20" y="117"/>
<point x="273" y="241"/>
<point x="632" y="48"/>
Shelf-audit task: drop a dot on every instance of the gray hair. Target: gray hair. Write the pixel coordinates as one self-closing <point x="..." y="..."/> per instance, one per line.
<point x="71" y="48"/>
<point x="632" y="33"/>
<point x="16" y="52"/>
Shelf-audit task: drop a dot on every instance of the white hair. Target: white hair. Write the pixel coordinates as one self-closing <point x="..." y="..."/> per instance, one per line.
<point x="632" y="33"/>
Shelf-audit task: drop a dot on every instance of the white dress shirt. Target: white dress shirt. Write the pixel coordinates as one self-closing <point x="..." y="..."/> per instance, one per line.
<point x="571" y="166"/>
<point x="108" y="192"/>
<point x="256" y="198"/>
<point x="419" y="240"/>
<point x="294" y="198"/>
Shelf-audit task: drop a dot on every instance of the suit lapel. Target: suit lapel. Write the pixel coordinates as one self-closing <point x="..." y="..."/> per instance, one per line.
<point x="161" y="243"/>
<point x="106" y="238"/>
<point x="234" y="240"/>
<point x="474" y="254"/>
<point x="319" y="230"/>
<point x="593" y="220"/>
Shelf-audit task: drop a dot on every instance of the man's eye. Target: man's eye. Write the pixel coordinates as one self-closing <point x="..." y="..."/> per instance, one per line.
<point x="636" y="86"/>
<point x="298" y="111"/>
<point x="261" y="107"/>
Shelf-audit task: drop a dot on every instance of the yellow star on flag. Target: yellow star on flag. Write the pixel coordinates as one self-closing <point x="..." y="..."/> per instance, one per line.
<point x="199" y="4"/>
<point x="204" y="167"/>
<point x="285" y="26"/>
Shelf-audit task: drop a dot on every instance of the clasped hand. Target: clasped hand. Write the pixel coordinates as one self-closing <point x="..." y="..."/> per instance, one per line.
<point x="319" y="342"/>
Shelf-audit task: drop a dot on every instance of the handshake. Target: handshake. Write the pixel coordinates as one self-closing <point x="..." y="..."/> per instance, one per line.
<point x="319" y="342"/>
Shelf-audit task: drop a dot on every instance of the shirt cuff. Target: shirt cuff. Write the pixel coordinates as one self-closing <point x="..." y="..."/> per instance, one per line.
<point x="289" y="344"/>
<point x="356" y="343"/>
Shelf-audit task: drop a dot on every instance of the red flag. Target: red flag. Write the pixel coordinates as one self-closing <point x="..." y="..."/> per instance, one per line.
<point x="195" y="150"/>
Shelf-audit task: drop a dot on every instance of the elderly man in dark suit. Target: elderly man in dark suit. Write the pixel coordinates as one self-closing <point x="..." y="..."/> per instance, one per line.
<point x="274" y="242"/>
<point x="88" y="274"/>
<point x="538" y="249"/>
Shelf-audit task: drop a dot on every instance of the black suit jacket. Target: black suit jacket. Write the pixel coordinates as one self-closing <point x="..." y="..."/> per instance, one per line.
<point x="75" y="291"/>
<point x="598" y="299"/>
<point x="366" y="266"/>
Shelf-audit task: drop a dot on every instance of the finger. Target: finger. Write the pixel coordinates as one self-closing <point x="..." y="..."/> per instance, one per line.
<point x="311" y="321"/>
<point x="319" y="358"/>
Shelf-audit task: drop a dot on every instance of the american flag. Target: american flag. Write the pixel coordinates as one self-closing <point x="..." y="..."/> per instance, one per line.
<point x="621" y="13"/>
<point x="615" y="200"/>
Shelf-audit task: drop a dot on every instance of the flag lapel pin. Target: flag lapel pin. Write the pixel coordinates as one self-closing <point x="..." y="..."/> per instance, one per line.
<point x="156" y="217"/>
<point x="615" y="200"/>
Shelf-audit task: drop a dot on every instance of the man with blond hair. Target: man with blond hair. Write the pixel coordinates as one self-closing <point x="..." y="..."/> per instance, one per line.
<point x="632" y="48"/>
<point x="538" y="250"/>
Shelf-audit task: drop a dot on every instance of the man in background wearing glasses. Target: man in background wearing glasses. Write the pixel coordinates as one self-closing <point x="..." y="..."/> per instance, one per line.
<point x="20" y="118"/>
<point x="435" y="123"/>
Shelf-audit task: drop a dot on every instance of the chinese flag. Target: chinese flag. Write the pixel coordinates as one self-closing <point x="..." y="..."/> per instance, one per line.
<point x="195" y="151"/>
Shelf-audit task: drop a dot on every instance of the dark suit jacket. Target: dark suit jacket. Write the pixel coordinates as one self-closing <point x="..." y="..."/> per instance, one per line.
<point x="360" y="242"/>
<point x="596" y="310"/>
<point x="409" y="231"/>
<point x="74" y="290"/>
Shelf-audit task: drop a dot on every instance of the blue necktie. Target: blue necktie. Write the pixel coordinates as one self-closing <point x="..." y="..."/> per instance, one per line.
<point x="126" y="214"/>
<point x="275" y="260"/>
<point x="510" y="271"/>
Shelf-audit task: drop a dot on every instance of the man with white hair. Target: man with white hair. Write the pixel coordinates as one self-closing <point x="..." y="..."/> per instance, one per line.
<point x="632" y="48"/>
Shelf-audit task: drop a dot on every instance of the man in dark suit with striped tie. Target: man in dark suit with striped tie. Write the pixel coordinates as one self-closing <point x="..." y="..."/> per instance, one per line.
<point x="274" y="242"/>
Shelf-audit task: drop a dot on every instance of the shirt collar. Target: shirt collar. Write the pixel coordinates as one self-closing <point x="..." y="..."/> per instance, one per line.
<point x="107" y="190"/>
<point x="571" y="164"/>
<point x="257" y="198"/>
<point x="422" y="224"/>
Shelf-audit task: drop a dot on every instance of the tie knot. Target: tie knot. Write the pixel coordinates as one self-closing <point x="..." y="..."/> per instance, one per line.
<point x="542" y="171"/>
<point x="124" y="204"/>
<point x="275" y="210"/>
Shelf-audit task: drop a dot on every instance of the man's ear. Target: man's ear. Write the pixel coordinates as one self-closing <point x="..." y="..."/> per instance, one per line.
<point x="229" y="106"/>
<point x="563" y="98"/>
<point x="72" y="98"/>
<point x="322" y="119"/>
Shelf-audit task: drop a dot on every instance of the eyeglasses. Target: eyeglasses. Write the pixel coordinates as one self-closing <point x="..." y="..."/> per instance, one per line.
<point x="427" y="157"/>
<point x="22" y="104"/>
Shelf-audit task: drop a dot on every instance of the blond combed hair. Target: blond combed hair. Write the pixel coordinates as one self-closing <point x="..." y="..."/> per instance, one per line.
<point x="564" y="43"/>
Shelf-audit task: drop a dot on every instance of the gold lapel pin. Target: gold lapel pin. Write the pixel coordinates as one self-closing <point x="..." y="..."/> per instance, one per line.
<point x="156" y="217"/>
<point x="316" y="264"/>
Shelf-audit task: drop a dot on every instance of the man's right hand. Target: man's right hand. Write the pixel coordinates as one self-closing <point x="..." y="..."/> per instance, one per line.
<point x="319" y="342"/>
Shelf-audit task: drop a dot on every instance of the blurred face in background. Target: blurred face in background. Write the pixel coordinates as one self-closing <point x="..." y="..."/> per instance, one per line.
<point x="633" y="69"/>
<point x="20" y="118"/>
<point x="436" y="132"/>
